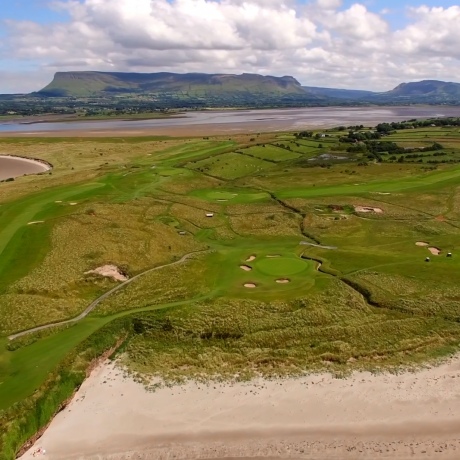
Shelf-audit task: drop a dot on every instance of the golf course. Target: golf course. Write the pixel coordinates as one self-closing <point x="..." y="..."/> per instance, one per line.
<point x="225" y="258"/>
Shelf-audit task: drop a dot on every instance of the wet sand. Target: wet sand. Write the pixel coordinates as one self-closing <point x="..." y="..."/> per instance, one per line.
<point x="206" y="123"/>
<point x="11" y="166"/>
<point x="411" y="415"/>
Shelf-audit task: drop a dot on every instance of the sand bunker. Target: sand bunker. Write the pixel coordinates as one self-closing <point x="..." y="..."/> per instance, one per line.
<point x="246" y="268"/>
<point x="283" y="281"/>
<point x="73" y="204"/>
<point x="250" y="285"/>
<point x="435" y="251"/>
<point x="421" y="244"/>
<point x="273" y="256"/>
<point x="109" y="271"/>
<point x="58" y="201"/>
<point x="251" y="258"/>
<point x="36" y="222"/>
<point x="368" y="209"/>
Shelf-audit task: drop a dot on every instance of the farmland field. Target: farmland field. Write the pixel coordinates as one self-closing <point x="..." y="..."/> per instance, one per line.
<point x="272" y="254"/>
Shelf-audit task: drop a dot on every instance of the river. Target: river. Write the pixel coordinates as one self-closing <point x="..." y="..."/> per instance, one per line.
<point x="227" y="121"/>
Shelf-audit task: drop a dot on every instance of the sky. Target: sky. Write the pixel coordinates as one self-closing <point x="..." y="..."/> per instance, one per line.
<point x="368" y="44"/>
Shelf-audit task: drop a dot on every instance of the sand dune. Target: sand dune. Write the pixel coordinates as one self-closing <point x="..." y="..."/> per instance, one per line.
<point x="411" y="415"/>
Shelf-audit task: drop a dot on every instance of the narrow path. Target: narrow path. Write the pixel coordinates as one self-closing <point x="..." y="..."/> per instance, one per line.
<point x="96" y="302"/>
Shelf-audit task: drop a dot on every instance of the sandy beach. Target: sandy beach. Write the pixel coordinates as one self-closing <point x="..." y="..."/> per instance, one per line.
<point x="13" y="166"/>
<point x="413" y="415"/>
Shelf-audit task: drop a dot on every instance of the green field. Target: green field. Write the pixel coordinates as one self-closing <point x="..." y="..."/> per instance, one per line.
<point x="297" y="260"/>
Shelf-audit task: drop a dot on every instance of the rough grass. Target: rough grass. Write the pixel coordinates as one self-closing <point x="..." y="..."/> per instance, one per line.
<point x="271" y="153"/>
<point x="374" y="301"/>
<point x="241" y="339"/>
<point x="189" y="280"/>
<point x="230" y="166"/>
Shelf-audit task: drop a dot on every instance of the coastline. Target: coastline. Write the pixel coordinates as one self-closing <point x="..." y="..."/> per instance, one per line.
<point x="49" y="166"/>
<point x="13" y="166"/>
<point x="408" y="415"/>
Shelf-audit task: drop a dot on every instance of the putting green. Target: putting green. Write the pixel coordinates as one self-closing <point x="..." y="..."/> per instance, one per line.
<point x="281" y="266"/>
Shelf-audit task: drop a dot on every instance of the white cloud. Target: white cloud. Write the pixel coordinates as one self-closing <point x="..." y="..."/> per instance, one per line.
<point x="320" y="43"/>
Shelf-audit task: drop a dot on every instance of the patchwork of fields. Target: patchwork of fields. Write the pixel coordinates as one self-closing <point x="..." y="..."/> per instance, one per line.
<point x="305" y="254"/>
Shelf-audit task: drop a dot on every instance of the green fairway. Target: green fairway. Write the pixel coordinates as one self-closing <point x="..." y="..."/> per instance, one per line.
<point x="239" y="196"/>
<point x="272" y="255"/>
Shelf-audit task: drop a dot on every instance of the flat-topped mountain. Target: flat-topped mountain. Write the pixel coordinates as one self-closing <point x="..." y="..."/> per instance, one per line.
<point x="140" y="92"/>
<point x="94" y="84"/>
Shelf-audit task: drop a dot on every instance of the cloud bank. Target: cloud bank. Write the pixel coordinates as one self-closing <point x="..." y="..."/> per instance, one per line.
<point x="320" y="43"/>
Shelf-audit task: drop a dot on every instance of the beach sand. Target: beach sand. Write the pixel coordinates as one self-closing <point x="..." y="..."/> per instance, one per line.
<point x="13" y="166"/>
<point x="414" y="415"/>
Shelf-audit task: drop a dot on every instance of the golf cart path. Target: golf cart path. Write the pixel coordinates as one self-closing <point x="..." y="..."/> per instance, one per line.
<point x="96" y="302"/>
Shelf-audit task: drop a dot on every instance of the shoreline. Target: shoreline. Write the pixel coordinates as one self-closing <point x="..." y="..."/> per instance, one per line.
<point x="409" y="415"/>
<point x="11" y="169"/>
<point x="48" y="165"/>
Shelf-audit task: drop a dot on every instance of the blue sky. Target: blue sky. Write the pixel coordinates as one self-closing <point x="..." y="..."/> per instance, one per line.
<point x="32" y="10"/>
<point x="367" y="44"/>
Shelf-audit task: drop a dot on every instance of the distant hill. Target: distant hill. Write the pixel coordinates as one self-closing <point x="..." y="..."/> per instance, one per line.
<point x="97" y="84"/>
<point x="432" y="90"/>
<point x="426" y="91"/>
<point x="165" y="90"/>
<point x="348" y="94"/>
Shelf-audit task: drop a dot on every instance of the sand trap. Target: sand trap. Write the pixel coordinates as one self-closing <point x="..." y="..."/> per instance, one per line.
<point x="58" y="201"/>
<point x="222" y="200"/>
<point x="246" y="268"/>
<point x="273" y="256"/>
<point x="283" y="281"/>
<point x="250" y="285"/>
<point x="421" y="244"/>
<point x="368" y="209"/>
<point x="435" y="251"/>
<point x="251" y="258"/>
<point x="36" y="222"/>
<point x="73" y="204"/>
<point x="109" y="271"/>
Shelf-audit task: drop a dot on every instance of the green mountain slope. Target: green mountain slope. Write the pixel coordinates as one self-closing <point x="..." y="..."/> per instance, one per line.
<point x="431" y="90"/>
<point x="96" y="84"/>
<point x="426" y="91"/>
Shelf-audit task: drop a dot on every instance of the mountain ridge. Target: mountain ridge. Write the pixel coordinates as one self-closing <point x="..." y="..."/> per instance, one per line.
<point x="93" y="83"/>
<point x="202" y="89"/>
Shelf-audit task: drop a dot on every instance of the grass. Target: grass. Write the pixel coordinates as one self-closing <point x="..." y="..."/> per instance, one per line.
<point x="230" y="166"/>
<point x="271" y="153"/>
<point x="371" y="303"/>
<point x="281" y="266"/>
